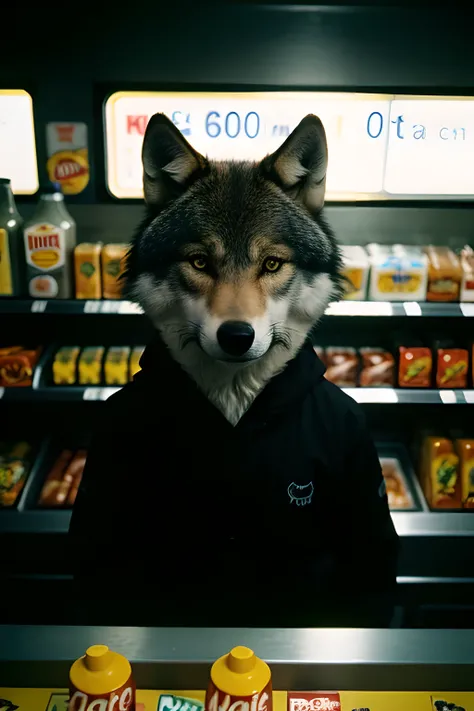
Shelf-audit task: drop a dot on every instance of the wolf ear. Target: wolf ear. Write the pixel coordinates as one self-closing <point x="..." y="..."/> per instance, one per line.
<point x="170" y="164"/>
<point x="299" y="165"/>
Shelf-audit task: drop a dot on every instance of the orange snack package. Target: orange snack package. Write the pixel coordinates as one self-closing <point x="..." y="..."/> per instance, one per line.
<point x="439" y="475"/>
<point x="414" y="368"/>
<point x="465" y="450"/>
<point x="444" y="274"/>
<point x="17" y="365"/>
<point x="452" y="366"/>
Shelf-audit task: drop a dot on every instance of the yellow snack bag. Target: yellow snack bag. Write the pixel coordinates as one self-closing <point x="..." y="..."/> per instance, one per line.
<point x="87" y="270"/>
<point x="116" y="365"/>
<point x="113" y="266"/>
<point x="65" y="365"/>
<point x="90" y="365"/>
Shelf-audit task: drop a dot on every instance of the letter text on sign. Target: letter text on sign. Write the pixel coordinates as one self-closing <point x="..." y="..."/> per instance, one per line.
<point x="380" y="145"/>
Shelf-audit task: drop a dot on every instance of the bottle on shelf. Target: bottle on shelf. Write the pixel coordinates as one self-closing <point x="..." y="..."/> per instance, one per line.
<point x="11" y="243"/>
<point x="49" y="239"/>
<point x="239" y="681"/>
<point x="101" y="680"/>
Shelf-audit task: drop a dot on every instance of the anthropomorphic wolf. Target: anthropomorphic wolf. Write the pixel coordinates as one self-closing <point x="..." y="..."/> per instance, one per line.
<point x="231" y="483"/>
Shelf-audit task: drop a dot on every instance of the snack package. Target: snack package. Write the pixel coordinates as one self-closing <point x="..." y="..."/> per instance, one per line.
<point x="465" y="451"/>
<point x="342" y="365"/>
<point x="355" y="272"/>
<point x="134" y="365"/>
<point x="116" y="365"/>
<point x="439" y="474"/>
<point x="398" y="492"/>
<point x="452" y="367"/>
<point x="14" y="469"/>
<point x="398" y="273"/>
<point x="62" y="482"/>
<point x="467" y="266"/>
<point x="87" y="270"/>
<point x="444" y="274"/>
<point x="113" y="266"/>
<point x="414" y="367"/>
<point x="65" y="365"/>
<point x="377" y="368"/>
<point x="90" y="365"/>
<point x="17" y="366"/>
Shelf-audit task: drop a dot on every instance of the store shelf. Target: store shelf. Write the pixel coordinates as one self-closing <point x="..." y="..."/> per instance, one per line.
<point x="34" y="522"/>
<point x="341" y="308"/>
<point x="364" y="396"/>
<point x="402" y="308"/>
<point x="56" y="394"/>
<point x="434" y="523"/>
<point x="408" y="396"/>
<point x="411" y="524"/>
<point x="68" y="307"/>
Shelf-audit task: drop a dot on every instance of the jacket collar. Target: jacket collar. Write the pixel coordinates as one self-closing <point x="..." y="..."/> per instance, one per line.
<point x="182" y="395"/>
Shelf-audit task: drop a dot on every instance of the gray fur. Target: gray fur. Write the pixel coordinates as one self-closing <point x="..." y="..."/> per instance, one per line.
<point x="233" y="203"/>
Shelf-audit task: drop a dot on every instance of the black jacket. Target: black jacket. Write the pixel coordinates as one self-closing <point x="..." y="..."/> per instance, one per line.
<point x="282" y="519"/>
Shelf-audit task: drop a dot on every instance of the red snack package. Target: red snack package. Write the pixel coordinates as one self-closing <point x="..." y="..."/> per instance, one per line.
<point x="342" y="366"/>
<point x="452" y="368"/>
<point x="17" y="366"/>
<point x="414" y="369"/>
<point x="378" y="368"/>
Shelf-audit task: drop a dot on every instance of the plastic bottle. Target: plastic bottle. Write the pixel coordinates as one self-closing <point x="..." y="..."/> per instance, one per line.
<point x="101" y="680"/>
<point x="240" y="681"/>
<point x="11" y="243"/>
<point x="50" y="238"/>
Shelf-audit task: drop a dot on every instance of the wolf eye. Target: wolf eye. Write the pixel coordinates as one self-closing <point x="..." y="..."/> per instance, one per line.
<point x="272" y="264"/>
<point x="199" y="263"/>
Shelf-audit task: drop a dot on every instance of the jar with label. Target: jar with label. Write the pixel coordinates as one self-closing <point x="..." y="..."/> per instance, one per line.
<point x="50" y="238"/>
<point x="11" y="244"/>
<point x="101" y="680"/>
<point x="239" y="681"/>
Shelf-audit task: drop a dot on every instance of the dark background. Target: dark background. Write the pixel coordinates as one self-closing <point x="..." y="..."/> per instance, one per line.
<point x="70" y="55"/>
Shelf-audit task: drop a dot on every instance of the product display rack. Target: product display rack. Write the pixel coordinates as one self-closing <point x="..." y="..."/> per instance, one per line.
<point x="364" y="396"/>
<point x="434" y="545"/>
<point x="341" y="308"/>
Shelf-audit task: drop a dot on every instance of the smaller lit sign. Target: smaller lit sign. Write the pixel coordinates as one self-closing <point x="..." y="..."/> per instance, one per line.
<point x="17" y="141"/>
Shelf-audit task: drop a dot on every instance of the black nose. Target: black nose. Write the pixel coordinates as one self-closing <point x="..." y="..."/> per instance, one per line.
<point x="235" y="337"/>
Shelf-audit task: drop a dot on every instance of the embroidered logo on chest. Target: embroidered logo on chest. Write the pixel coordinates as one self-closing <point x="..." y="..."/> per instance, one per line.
<point x="301" y="495"/>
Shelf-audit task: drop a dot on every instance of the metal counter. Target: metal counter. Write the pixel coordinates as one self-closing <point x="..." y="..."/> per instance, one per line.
<point x="303" y="659"/>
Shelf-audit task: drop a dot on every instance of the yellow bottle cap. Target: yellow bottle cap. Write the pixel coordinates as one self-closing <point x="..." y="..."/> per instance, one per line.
<point x="240" y="673"/>
<point x="241" y="660"/>
<point x="98" y="657"/>
<point x="100" y="671"/>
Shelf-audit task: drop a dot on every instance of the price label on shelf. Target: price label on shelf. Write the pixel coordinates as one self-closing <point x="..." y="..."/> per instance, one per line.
<point x="110" y="307"/>
<point x="467" y="310"/>
<point x="92" y="307"/>
<point x="92" y="393"/>
<point x="448" y="397"/>
<point x="105" y="393"/>
<point x="128" y="307"/>
<point x="39" y="306"/>
<point x="412" y="308"/>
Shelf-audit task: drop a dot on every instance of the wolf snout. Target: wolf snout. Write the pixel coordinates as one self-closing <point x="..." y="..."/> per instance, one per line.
<point x="235" y="337"/>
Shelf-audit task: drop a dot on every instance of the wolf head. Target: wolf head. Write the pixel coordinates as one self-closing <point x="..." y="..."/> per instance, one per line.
<point x="234" y="258"/>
